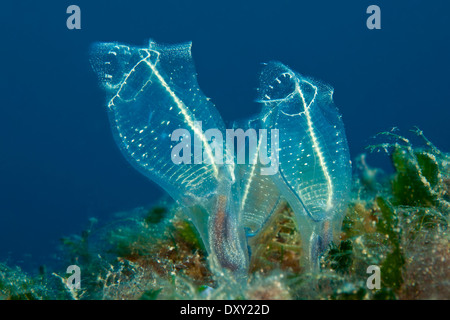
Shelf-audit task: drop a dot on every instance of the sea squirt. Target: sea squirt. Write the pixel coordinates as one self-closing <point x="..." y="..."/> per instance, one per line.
<point x="152" y="92"/>
<point x="154" y="100"/>
<point x="314" y="161"/>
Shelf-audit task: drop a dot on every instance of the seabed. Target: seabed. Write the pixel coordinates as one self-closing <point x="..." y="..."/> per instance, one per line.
<point x="397" y="222"/>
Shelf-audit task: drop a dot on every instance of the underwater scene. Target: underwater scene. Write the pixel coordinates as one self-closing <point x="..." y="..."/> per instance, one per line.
<point x="199" y="150"/>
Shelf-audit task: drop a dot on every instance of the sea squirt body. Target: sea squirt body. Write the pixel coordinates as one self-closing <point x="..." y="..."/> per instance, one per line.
<point x="152" y="92"/>
<point x="314" y="161"/>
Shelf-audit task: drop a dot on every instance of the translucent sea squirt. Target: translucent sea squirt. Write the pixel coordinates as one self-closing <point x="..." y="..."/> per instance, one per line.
<point x="152" y="92"/>
<point x="314" y="161"/>
<point x="154" y="100"/>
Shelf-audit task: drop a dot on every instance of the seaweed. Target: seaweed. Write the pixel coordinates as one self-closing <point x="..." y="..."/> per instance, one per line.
<point x="392" y="266"/>
<point x="397" y="221"/>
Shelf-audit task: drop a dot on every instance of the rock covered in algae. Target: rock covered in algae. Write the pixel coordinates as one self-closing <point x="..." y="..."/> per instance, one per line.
<point x="156" y="253"/>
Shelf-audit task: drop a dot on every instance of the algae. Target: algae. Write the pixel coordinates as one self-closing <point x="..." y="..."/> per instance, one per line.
<point x="397" y="221"/>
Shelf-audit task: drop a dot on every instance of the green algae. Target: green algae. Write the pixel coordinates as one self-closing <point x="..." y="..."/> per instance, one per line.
<point x="392" y="266"/>
<point x="398" y="222"/>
